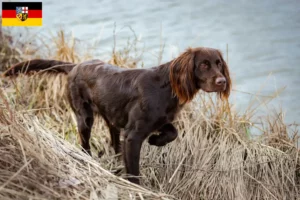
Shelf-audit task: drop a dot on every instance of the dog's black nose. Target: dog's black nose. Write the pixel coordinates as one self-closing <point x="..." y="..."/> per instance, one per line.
<point x="220" y="81"/>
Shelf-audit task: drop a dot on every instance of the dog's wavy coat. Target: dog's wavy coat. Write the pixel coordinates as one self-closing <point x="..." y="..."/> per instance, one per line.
<point x="136" y="102"/>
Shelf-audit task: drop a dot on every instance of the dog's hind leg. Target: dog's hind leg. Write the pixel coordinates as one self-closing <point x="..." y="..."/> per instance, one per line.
<point x="85" y="120"/>
<point x="114" y="136"/>
<point x="81" y="105"/>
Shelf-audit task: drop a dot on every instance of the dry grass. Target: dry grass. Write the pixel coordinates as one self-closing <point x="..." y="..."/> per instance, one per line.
<point x="213" y="158"/>
<point x="9" y="53"/>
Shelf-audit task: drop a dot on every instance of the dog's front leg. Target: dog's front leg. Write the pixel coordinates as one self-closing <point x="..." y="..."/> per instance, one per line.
<point x="167" y="134"/>
<point x="131" y="153"/>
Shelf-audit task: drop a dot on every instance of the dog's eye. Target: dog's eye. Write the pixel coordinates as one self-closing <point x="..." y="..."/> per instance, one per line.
<point x="206" y="62"/>
<point x="220" y="65"/>
<point x="204" y="66"/>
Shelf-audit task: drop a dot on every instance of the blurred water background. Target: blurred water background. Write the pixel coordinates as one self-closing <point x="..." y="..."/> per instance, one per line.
<point x="263" y="38"/>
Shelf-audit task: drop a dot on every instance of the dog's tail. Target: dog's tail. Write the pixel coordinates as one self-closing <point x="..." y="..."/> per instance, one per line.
<point x="52" y="66"/>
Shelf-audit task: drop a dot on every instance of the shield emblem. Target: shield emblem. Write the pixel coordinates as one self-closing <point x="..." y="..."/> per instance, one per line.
<point x="22" y="13"/>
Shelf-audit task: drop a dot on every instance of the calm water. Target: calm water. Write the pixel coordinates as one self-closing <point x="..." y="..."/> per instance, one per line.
<point x="263" y="37"/>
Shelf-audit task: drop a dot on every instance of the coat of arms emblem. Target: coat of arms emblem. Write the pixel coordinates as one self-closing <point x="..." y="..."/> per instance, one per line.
<point x="22" y="13"/>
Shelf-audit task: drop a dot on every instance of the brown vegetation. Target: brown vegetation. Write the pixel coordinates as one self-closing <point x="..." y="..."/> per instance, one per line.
<point x="214" y="157"/>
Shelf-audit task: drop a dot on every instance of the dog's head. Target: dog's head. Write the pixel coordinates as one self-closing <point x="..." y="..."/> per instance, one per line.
<point x="199" y="68"/>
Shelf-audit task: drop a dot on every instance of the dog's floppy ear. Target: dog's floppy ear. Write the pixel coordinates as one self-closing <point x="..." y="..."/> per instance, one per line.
<point x="225" y="94"/>
<point x="182" y="76"/>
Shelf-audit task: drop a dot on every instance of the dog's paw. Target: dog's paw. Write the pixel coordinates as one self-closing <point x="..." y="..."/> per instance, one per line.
<point x="153" y="140"/>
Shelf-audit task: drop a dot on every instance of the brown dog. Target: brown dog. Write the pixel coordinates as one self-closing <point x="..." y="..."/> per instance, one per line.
<point x="138" y="101"/>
